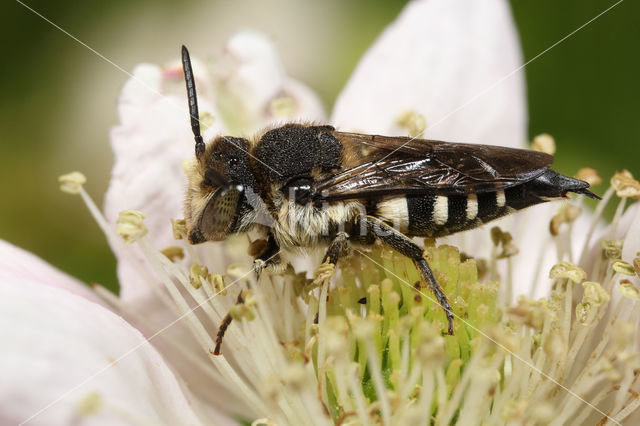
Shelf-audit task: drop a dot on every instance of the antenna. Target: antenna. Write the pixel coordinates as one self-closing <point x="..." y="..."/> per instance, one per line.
<point x="193" y="101"/>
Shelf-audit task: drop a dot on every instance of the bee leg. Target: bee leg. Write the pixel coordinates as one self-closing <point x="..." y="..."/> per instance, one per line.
<point x="337" y="248"/>
<point x="403" y="244"/>
<point x="266" y="254"/>
<point x="222" y="329"/>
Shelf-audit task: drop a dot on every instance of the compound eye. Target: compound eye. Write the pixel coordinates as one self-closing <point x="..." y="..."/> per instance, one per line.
<point x="219" y="215"/>
<point x="298" y="189"/>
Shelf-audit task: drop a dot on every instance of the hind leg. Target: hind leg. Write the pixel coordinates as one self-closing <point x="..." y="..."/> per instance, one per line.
<point x="403" y="244"/>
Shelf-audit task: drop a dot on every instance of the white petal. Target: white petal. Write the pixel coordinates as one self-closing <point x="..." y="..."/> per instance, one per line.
<point x="250" y="77"/>
<point x="19" y="264"/>
<point x="58" y="345"/>
<point x="434" y="59"/>
<point x="455" y="62"/>
<point x="629" y="229"/>
<point x="152" y="140"/>
<point x="154" y="135"/>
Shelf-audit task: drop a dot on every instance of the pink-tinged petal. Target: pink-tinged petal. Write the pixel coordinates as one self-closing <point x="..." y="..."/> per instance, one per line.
<point x="18" y="264"/>
<point x="449" y="60"/>
<point x="307" y="106"/>
<point x="62" y="349"/>
<point x="150" y="143"/>
<point x="251" y="80"/>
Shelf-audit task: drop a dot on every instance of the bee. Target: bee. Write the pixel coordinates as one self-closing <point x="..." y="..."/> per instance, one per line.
<point x="312" y="185"/>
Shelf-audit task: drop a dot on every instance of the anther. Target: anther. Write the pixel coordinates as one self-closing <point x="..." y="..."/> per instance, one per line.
<point x="179" y="228"/>
<point x="71" y="183"/>
<point x="282" y="106"/>
<point x="569" y="271"/>
<point x="625" y="185"/>
<point x="544" y="142"/>
<point x="173" y="253"/>
<point x="589" y="175"/>
<point x="130" y="225"/>
<point x="414" y="122"/>
<point x="197" y="274"/>
<point x="628" y="290"/>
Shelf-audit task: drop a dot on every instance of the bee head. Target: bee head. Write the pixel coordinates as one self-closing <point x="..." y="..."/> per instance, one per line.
<point x="216" y="196"/>
<point x="218" y="178"/>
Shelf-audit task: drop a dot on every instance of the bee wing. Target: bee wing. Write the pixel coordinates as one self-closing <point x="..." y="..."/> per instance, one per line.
<point x="384" y="165"/>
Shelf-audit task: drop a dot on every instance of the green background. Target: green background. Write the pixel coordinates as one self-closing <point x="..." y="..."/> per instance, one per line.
<point x="59" y="99"/>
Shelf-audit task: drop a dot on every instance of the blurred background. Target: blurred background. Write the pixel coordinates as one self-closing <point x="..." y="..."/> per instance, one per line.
<point x="59" y="99"/>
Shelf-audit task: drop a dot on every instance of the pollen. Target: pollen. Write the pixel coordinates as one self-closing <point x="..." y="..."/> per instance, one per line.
<point x="567" y="213"/>
<point x="504" y="240"/>
<point x="544" y="142"/>
<point x="91" y="404"/>
<point x="625" y="185"/>
<point x="197" y="273"/>
<point x="282" y="106"/>
<point x="173" y="253"/>
<point x="217" y="284"/>
<point x="594" y="293"/>
<point x="71" y="183"/>
<point x="242" y="312"/>
<point x="589" y="175"/>
<point x="622" y="267"/>
<point x="628" y="290"/>
<point x="569" y="271"/>
<point x="130" y="225"/>
<point x="414" y="122"/>
<point x="611" y="249"/>
<point x="206" y="120"/>
<point x="323" y="272"/>
<point x="179" y="228"/>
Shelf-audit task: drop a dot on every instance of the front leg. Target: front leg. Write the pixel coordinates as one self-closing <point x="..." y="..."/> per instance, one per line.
<point x="403" y="244"/>
<point x="337" y="248"/>
<point x="265" y="253"/>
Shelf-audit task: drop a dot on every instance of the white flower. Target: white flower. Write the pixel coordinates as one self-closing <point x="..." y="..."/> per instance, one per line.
<point x="446" y="64"/>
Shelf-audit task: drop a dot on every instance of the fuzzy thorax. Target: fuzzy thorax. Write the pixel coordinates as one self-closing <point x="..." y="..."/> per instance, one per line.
<point x="307" y="225"/>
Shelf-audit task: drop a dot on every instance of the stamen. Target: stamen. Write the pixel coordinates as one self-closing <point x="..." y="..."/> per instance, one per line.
<point x="628" y="290"/>
<point x="622" y="267"/>
<point x="569" y="271"/>
<point x="130" y="225"/>
<point x="71" y="183"/>
<point x="179" y="228"/>
<point x="625" y="185"/>
<point x="544" y="142"/>
<point x="414" y="122"/>
<point x="589" y="175"/>
<point x="282" y="107"/>
<point x="197" y="274"/>
<point x="90" y="405"/>
<point x="173" y="253"/>
<point x="304" y="352"/>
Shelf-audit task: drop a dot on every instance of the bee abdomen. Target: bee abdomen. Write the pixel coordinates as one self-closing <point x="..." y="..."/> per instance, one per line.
<point x="438" y="215"/>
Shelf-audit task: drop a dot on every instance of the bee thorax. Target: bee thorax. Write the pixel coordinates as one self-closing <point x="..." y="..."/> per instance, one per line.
<point x="307" y="225"/>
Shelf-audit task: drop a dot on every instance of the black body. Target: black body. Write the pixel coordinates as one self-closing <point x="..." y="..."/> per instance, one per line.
<point x="308" y="185"/>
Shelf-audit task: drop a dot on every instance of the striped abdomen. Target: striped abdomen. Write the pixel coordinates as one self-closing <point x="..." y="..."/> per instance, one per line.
<point x="433" y="215"/>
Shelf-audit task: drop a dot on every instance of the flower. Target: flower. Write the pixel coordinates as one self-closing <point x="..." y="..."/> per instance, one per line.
<point x="364" y="347"/>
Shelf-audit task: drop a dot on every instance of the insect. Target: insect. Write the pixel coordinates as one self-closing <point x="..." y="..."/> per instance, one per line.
<point x="319" y="186"/>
